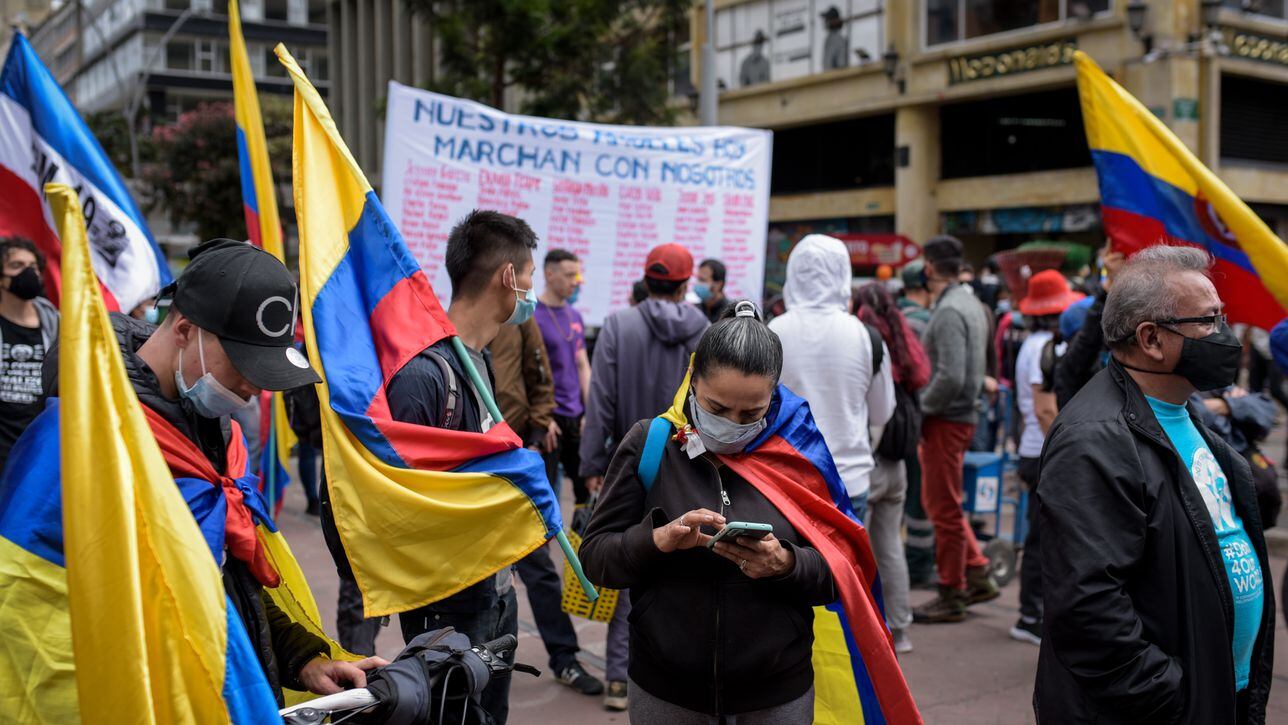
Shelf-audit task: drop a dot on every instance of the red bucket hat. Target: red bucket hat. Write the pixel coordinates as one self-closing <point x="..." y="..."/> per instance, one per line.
<point x="1049" y="294"/>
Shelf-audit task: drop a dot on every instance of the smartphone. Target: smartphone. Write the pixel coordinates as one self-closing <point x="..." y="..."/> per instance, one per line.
<point x="735" y="529"/>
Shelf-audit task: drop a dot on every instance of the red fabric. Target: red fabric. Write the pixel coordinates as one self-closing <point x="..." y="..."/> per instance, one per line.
<point x="942" y="452"/>
<point x="795" y="487"/>
<point x="999" y="346"/>
<point x="187" y="461"/>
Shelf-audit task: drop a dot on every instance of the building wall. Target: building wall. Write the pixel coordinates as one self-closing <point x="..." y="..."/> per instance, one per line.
<point x="1182" y="85"/>
<point x="22" y="14"/>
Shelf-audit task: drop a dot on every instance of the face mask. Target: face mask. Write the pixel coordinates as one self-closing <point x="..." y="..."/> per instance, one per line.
<point x="152" y="316"/>
<point x="26" y="284"/>
<point x="576" y="293"/>
<point x="208" y="396"/>
<point x="1212" y="362"/>
<point x="1003" y="306"/>
<point x="703" y="291"/>
<point x="525" y="304"/>
<point x="721" y="435"/>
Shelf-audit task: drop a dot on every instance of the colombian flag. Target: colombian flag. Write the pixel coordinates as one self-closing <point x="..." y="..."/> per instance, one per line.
<point x="111" y="604"/>
<point x="857" y="678"/>
<point x="259" y="201"/>
<point x="1154" y="191"/>
<point x="423" y="512"/>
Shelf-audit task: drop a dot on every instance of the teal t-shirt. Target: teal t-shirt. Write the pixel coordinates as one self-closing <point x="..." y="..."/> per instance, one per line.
<point x="1241" y="563"/>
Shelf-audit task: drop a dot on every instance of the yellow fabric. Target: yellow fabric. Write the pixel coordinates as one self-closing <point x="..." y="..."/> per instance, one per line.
<point x="1117" y="122"/>
<point x="675" y="413"/>
<point x="836" y="696"/>
<point x="145" y="598"/>
<point x="37" y="684"/>
<point x="413" y="537"/>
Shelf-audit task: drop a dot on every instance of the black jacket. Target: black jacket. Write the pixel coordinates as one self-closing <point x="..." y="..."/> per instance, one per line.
<point x="1081" y="359"/>
<point x="282" y="646"/>
<point x="702" y="634"/>
<point x="1138" y="613"/>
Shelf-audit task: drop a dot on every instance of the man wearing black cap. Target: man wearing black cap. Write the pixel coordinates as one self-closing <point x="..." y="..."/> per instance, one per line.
<point x="228" y="336"/>
<point x="836" y="47"/>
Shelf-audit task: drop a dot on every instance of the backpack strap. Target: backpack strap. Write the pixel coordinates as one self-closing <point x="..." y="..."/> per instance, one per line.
<point x="453" y="404"/>
<point x="659" y="431"/>
<point x="878" y="352"/>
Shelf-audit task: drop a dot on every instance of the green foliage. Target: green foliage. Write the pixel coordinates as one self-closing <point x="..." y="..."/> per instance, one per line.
<point x="112" y="132"/>
<point x="195" y="175"/>
<point x="604" y="60"/>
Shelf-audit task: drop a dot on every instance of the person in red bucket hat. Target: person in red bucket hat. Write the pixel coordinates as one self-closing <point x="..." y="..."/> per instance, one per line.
<point x="1048" y="296"/>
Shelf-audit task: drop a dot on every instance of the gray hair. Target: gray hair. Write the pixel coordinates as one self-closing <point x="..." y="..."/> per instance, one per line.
<point x="740" y="341"/>
<point x="1141" y="292"/>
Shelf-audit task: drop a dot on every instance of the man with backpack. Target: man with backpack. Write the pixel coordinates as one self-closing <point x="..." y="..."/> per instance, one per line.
<point x="833" y="361"/>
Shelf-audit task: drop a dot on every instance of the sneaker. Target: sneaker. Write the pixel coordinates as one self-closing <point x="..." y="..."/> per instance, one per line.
<point x="615" y="698"/>
<point x="902" y="645"/>
<point x="576" y="677"/>
<point x="980" y="586"/>
<point x="1027" y="631"/>
<point x="949" y="606"/>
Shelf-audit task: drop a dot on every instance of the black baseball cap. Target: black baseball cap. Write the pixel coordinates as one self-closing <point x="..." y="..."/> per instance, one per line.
<point x="249" y="300"/>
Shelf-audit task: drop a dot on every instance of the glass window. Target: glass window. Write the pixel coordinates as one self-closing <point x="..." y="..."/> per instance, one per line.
<point x="317" y="12"/>
<point x="850" y="154"/>
<point x="272" y="67"/>
<point x="319" y="65"/>
<point x="1012" y="135"/>
<point x="773" y="40"/>
<point x="1250" y="120"/>
<point x="179" y="54"/>
<point x="1270" y="8"/>
<point x="207" y="58"/>
<point x="946" y="21"/>
<point x="277" y="10"/>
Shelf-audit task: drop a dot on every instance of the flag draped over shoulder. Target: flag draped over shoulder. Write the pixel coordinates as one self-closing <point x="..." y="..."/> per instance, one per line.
<point x="1154" y="191"/>
<point x="43" y="139"/>
<point x="259" y="202"/>
<point x="422" y="512"/>
<point x="857" y="678"/>
<point x="113" y="607"/>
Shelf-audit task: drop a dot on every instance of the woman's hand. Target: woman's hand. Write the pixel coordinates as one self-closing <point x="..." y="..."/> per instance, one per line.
<point x="758" y="558"/>
<point x="686" y="531"/>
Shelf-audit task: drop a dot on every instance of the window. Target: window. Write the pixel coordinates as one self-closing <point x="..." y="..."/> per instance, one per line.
<point x="681" y="65"/>
<point x="207" y="57"/>
<point x="277" y="10"/>
<point x="179" y="54"/>
<point x="1012" y="135"/>
<point x="1251" y="120"/>
<point x="318" y="64"/>
<point x="947" y="21"/>
<point x="1270" y="8"/>
<point x="317" y="12"/>
<point x="272" y="67"/>
<point x="772" y="40"/>
<point x="850" y="154"/>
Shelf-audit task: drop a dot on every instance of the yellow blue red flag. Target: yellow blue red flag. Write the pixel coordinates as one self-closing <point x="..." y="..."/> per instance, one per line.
<point x="112" y="607"/>
<point x="259" y="202"/>
<point x="1153" y="190"/>
<point x="423" y="512"/>
<point x="857" y="678"/>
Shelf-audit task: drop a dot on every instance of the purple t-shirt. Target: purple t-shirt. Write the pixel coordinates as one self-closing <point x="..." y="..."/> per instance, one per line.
<point x="565" y="336"/>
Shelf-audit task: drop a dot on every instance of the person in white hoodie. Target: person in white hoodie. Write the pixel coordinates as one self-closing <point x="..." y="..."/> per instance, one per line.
<point x="827" y="360"/>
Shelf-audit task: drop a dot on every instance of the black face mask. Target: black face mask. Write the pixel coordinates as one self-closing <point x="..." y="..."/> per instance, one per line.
<point x="1209" y="363"/>
<point x="26" y="284"/>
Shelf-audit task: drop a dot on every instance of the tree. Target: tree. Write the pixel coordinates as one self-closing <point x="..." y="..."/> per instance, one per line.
<point x="195" y="175"/>
<point x="604" y="60"/>
<point x="112" y="132"/>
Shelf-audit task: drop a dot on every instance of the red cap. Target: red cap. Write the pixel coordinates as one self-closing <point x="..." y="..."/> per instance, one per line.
<point x="670" y="262"/>
<point x="1048" y="294"/>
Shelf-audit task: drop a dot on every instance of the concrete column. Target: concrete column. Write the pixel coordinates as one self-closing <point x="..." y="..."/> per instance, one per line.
<point x="402" y="43"/>
<point x="1210" y="114"/>
<point x="366" y="81"/>
<point x="347" y="68"/>
<point x="422" y="53"/>
<point x="916" y="133"/>
<point x="334" y="54"/>
<point x="383" y="71"/>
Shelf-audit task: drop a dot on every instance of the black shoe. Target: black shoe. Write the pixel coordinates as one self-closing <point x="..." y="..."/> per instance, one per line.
<point x="576" y="677"/>
<point x="1027" y="631"/>
<point x="313" y="509"/>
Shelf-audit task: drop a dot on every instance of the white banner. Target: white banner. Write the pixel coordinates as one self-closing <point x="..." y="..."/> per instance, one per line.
<point x="608" y="194"/>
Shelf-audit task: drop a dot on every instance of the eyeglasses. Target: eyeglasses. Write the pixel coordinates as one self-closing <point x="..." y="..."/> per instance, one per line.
<point x="1217" y="320"/>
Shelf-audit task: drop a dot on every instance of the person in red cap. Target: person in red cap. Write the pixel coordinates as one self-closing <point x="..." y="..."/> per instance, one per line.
<point x="640" y="359"/>
<point x="1048" y="296"/>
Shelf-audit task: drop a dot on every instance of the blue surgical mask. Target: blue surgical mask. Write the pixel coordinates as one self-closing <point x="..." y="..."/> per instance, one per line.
<point x="702" y="290"/>
<point x="208" y="397"/>
<point x="525" y="304"/>
<point x="721" y="435"/>
<point x="576" y="293"/>
<point x="152" y="316"/>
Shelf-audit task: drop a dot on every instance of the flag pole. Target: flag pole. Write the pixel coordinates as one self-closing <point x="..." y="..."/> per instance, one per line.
<point x="271" y="474"/>
<point x="485" y="392"/>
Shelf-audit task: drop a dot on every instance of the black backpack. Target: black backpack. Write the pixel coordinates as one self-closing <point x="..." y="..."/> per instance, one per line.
<point x="903" y="430"/>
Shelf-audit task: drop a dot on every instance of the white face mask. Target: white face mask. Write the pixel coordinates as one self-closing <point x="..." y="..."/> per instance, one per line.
<point x="208" y="396"/>
<point x="721" y="435"/>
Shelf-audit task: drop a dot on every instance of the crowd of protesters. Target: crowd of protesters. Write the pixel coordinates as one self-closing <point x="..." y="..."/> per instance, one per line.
<point x="1137" y="436"/>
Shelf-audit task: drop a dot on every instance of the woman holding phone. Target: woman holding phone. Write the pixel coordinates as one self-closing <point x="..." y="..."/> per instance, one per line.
<point x="724" y="627"/>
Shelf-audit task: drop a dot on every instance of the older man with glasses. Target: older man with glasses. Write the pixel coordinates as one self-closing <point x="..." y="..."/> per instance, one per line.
<point x="1154" y="564"/>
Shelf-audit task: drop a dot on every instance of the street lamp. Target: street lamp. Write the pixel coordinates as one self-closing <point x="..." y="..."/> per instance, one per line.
<point x="890" y="65"/>
<point x="1137" y="12"/>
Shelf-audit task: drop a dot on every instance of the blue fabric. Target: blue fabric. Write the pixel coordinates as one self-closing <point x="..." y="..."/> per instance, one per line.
<point x="654" y="446"/>
<point x="31" y="499"/>
<point x="1241" y="564"/>
<point x="246" y="691"/>
<point x="1279" y="345"/>
<point x="1072" y="318"/>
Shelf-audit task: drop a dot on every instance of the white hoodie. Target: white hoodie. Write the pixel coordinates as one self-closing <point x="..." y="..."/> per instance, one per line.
<point x="827" y="357"/>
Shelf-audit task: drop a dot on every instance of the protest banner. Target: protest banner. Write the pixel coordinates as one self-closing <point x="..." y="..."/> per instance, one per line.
<point x="606" y="193"/>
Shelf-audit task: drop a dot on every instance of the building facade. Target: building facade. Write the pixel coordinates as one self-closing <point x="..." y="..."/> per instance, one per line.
<point x="919" y="117"/>
<point x="22" y="15"/>
<point x="104" y="51"/>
